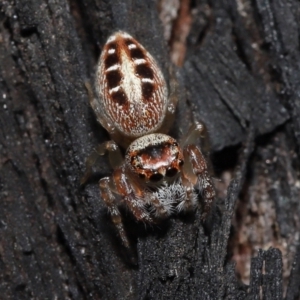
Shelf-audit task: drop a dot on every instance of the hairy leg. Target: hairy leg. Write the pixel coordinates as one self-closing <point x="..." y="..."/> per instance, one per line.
<point x="115" y="158"/>
<point x="189" y="202"/>
<point x="106" y="187"/>
<point x="133" y="195"/>
<point x="195" y="169"/>
<point x="199" y="168"/>
<point x="172" y="102"/>
<point x="161" y="208"/>
<point x="196" y="133"/>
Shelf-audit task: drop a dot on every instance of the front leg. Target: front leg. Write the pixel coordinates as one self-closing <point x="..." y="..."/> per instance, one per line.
<point x="195" y="169"/>
<point x="172" y="101"/>
<point x="133" y="195"/>
<point x="106" y="189"/>
<point x="115" y="158"/>
<point x="198" y="168"/>
<point x="197" y="134"/>
<point x="119" y="184"/>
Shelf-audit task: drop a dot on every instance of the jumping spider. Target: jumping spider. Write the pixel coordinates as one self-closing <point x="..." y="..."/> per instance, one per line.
<point x="158" y="175"/>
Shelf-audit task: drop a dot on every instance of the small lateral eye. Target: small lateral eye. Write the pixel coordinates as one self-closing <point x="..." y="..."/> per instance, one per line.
<point x="142" y="176"/>
<point x="156" y="177"/>
<point x="181" y="162"/>
<point x="175" y="144"/>
<point x="171" y="172"/>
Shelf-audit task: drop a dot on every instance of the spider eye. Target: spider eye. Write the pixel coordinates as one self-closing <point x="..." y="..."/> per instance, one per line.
<point x="181" y="162"/>
<point x="156" y="177"/>
<point x="171" y="172"/>
<point x="142" y="176"/>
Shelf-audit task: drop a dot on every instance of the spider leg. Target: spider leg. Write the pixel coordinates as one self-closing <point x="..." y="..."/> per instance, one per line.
<point x="115" y="158"/>
<point x="195" y="169"/>
<point x="106" y="187"/>
<point x="132" y="194"/>
<point x="172" y="102"/>
<point x="198" y="167"/>
<point x="160" y="209"/>
<point x="197" y="133"/>
<point x="189" y="200"/>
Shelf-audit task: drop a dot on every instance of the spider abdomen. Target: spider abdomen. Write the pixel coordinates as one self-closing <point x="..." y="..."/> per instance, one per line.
<point x="132" y="92"/>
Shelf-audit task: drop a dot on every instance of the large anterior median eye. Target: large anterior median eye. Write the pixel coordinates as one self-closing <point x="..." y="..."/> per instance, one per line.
<point x="142" y="176"/>
<point x="156" y="177"/>
<point x="171" y="172"/>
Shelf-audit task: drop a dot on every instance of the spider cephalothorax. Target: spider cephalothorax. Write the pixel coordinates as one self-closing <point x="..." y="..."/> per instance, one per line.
<point x="154" y="158"/>
<point x="158" y="175"/>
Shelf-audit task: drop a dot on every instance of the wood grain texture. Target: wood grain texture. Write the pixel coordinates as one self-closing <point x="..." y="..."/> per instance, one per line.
<point x="240" y="76"/>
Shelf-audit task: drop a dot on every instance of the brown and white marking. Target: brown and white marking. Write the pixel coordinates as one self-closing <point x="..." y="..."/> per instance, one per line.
<point x="132" y="91"/>
<point x="155" y="158"/>
<point x="157" y="177"/>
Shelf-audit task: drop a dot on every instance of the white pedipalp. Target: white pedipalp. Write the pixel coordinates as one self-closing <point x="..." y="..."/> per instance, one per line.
<point x="168" y="195"/>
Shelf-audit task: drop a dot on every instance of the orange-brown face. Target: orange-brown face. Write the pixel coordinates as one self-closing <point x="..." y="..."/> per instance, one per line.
<point x="154" y="157"/>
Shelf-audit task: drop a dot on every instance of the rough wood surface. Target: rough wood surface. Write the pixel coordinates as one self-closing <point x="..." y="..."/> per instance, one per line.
<point x="240" y="76"/>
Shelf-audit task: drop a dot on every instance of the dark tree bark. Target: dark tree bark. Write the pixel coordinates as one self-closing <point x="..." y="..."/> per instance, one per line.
<point x="241" y="76"/>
